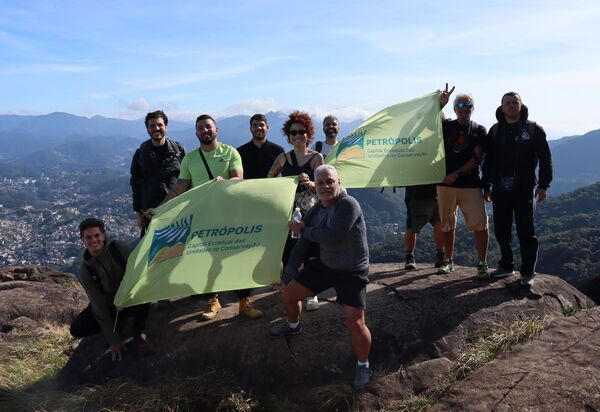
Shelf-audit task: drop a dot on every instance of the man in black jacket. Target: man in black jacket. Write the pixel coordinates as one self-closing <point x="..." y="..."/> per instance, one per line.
<point x="154" y="167"/>
<point x="514" y="148"/>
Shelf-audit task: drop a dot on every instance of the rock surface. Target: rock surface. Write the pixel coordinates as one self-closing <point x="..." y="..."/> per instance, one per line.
<point x="557" y="371"/>
<point x="419" y="320"/>
<point x="39" y="294"/>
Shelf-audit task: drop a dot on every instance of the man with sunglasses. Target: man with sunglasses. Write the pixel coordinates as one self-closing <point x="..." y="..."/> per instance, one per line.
<point x="461" y="187"/>
<point x="515" y="147"/>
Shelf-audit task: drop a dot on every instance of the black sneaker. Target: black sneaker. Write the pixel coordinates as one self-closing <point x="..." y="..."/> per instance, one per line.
<point x="362" y="377"/>
<point x="283" y="329"/>
<point x="409" y="262"/>
<point x="501" y="273"/>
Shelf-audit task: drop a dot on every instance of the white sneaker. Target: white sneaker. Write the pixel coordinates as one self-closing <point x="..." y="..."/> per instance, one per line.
<point x="312" y="303"/>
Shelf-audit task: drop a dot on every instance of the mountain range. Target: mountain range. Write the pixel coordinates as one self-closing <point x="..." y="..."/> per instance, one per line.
<point x="69" y="141"/>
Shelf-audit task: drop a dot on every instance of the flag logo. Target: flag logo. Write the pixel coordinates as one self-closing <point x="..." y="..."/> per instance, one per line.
<point x="352" y="146"/>
<point x="169" y="241"/>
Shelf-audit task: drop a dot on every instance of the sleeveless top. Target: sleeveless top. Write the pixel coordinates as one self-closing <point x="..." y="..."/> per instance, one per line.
<point x="293" y="169"/>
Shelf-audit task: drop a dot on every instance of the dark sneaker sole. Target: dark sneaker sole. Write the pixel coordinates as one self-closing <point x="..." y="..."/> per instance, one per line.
<point x="288" y="333"/>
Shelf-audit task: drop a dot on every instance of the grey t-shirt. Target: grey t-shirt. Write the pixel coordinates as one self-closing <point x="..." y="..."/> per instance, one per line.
<point x="341" y="234"/>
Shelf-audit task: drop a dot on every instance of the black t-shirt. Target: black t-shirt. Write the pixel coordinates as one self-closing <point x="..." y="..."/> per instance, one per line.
<point x="459" y="144"/>
<point x="257" y="161"/>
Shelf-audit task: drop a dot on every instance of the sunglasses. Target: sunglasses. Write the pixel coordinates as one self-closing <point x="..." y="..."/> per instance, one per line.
<point x="464" y="105"/>
<point x="295" y="132"/>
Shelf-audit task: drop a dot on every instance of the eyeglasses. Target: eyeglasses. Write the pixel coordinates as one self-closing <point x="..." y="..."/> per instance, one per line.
<point x="464" y="105"/>
<point x="295" y="132"/>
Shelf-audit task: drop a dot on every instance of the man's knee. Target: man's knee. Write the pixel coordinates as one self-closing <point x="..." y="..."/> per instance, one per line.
<point x="355" y="318"/>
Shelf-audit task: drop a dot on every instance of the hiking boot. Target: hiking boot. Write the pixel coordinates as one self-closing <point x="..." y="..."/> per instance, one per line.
<point x="439" y="258"/>
<point x="213" y="308"/>
<point x="501" y="273"/>
<point x="312" y="303"/>
<point x="447" y="267"/>
<point x="249" y="311"/>
<point x="283" y="329"/>
<point x="482" y="270"/>
<point x="362" y="377"/>
<point x="527" y="281"/>
<point x="409" y="262"/>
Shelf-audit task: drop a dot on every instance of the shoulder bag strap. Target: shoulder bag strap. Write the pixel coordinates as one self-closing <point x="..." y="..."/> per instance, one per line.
<point x="210" y="175"/>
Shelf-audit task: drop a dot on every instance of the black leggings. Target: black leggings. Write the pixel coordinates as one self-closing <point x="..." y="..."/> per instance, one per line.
<point x="85" y="324"/>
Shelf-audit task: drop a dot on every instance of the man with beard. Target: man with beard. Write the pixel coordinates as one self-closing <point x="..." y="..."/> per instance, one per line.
<point x="331" y="128"/>
<point x="258" y="154"/>
<point x="515" y="146"/>
<point x="154" y="167"/>
<point x="212" y="160"/>
<point x="336" y="223"/>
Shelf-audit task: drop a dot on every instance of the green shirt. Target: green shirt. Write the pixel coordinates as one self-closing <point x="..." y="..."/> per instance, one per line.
<point x="221" y="162"/>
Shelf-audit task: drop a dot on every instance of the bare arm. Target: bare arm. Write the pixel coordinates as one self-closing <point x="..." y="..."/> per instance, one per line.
<point x="236" y="174"/>
<point x="277" y="166"/>
<point x="181" y="186"/>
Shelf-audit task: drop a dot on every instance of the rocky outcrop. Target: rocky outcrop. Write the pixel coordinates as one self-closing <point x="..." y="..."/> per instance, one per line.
<point x="38" y="294"/>
<point x="419" y="321"/>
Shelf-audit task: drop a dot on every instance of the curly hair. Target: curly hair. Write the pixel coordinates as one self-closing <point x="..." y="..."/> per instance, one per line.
<point x="302" y="118"/>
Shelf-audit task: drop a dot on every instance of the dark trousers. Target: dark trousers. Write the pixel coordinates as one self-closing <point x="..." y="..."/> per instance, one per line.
<point x="85" y="324"/>
<point x="519" y="203"/>
<point x="241" y="294"/>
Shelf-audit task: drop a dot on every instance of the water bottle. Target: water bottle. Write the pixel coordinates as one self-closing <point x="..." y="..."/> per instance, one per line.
<point x="296" y="217"/>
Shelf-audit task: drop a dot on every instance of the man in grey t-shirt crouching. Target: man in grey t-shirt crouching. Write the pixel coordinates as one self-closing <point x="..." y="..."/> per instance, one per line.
<point x="337" y="226"/>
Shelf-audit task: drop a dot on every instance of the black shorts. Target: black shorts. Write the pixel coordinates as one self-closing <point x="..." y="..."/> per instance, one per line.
<point x="351" y="288"/>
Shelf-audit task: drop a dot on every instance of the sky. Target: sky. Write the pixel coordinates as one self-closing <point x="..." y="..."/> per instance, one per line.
<point x="352" y="58"/>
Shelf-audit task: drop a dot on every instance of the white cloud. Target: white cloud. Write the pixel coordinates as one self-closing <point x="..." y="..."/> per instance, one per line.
<point x="40" y="69"/>
<point x="140" y="104"/>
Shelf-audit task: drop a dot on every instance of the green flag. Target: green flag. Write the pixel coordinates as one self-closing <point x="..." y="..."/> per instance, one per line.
<point x="399" y="146"/>
<point x="222" y="235"/>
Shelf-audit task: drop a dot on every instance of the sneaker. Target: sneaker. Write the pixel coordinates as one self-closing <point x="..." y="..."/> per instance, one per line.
<point x="409" y="262"/>
<point x="447" y="267"/>
<point x="482" y="270"/>
<point x="213" y="308"/>
<point x="283" y="329"/>
<point x="501" y="273"/>
<point x="362" y="377"/>
<point x="439" y="258"/>
<point x="527" y="281"/>
<point x="312" y="303"/>
<point x="249" y="311"/>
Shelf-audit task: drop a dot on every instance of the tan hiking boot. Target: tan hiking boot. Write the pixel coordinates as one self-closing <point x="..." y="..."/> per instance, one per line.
<point x="213" y="308"/>
<point x="248" y="310"/>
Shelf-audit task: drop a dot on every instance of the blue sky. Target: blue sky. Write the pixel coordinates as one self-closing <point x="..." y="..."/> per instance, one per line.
<point x="124" y="58"/>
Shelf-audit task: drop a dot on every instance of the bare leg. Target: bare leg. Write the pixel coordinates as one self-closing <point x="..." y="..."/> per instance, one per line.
<point x="361" y="336"/>
<point x="292" y="297"/>
<point x="410" y="241"/>
<point x="449" y="243"/>
<point x="482" y="238"/>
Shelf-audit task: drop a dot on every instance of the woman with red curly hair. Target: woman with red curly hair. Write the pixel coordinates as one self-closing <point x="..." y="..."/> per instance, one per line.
<point x="300" y="161"/>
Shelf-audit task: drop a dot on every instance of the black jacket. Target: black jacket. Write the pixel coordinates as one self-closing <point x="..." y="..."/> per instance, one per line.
<point x="530" y="149"/>
<point x="151" y="176"/>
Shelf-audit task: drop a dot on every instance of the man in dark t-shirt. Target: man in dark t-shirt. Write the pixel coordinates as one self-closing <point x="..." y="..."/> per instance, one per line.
<point x="461" y="187"/>
<point x="259" y="154"/>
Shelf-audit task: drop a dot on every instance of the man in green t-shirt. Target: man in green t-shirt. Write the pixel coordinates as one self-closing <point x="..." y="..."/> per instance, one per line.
<point x="212" y="160"/>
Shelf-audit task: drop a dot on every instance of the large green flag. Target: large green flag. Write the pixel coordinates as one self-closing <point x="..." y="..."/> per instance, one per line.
<point x="223" y="235"/>
<point x="399" y="146"/>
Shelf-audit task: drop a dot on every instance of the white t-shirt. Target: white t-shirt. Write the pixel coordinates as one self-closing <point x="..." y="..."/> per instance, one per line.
<point x="327" y="148"/>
